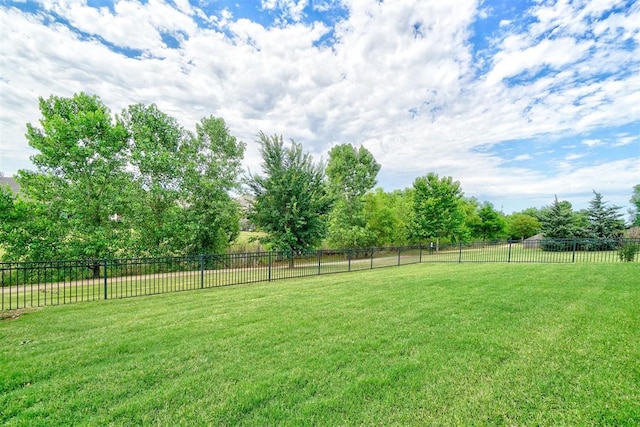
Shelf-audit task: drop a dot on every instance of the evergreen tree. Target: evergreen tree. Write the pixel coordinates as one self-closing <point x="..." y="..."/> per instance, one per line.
<point x="559" y="224"/>
<point x="559" y="221"/>
<point x="605" y="224"/>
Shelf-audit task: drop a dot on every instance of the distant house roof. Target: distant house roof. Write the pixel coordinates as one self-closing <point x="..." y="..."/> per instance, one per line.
<point x="8" y="181"/>
<point x="533" y="241"/>
<point x="632" y="233"/>
<point x="245" y="201"/>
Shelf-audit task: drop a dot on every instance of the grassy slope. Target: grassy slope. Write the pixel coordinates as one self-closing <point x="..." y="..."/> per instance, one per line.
<point x="425" y="344"/>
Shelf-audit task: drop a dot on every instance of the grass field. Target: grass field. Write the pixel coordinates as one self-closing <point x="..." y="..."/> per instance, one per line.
<point x="427" y="344"/>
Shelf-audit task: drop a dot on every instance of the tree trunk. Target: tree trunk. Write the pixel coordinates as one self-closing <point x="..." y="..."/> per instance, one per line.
<point x="291" y="254"/>
<point x="95" y="267"/>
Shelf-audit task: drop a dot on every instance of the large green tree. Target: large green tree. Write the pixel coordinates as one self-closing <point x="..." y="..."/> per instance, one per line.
<point x="290" y="198"/>
<point x="80" y="183"/>
<point x="491" y="223"/>
<point x="212" y="168"/>
<point x="522" y="226"/>
<point x="157" y="156"/>
<point x="437" y="207"/>
<point x="134" y="185"/>
<point x="351" y="173"/>
<point x="389" y="216"/>
<point x="184" y="180"/>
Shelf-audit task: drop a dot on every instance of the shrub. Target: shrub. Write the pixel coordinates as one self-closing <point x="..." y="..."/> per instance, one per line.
<point x="557" y="245"/>
<point x="628" y="251"/>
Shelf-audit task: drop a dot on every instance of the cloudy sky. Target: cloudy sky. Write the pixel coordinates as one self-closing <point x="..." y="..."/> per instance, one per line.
<point x="519" y="100"/>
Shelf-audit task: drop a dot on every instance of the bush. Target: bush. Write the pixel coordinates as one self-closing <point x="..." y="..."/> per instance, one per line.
<point x="628" y="251"/>
<point x="557" y="245"/>
<point x="598" y="244"/>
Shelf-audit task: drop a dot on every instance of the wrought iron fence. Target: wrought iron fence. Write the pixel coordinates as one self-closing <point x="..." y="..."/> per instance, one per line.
<point x="30" y="284"/>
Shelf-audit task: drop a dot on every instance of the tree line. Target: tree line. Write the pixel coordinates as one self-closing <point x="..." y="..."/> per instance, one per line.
<point x="138" y="184"/>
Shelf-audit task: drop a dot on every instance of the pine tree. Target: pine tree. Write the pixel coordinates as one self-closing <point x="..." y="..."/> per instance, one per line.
<point x="605" y="224"/>
<point x="558" y="225"/>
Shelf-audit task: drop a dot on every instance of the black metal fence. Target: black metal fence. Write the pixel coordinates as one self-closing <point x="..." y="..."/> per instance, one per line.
<point x="31" y="284"/>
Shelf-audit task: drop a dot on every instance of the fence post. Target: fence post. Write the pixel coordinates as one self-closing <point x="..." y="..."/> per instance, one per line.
<point x="509" y="256"/>
<point x="372" y="250"/>
<point x="319" y="260"/>
<point x="201" y="271"/>
<point x="398" y="255"/>
<point x="349" y="260"/>
<point x="573" y="255"/>
<point x="420" y="259"/>
<point x="269" y="267"/>
<point x="104" y="263"/>
<point x="460" y="252"/>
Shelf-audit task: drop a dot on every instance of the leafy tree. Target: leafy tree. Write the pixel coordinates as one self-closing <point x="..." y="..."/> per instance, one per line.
<point x="7" y="214"/>
<point x="537" y="213"/>
<point x="522" y="226"/>
<point x="212" y="168"/>
<point x="437" y="207"/>
<point x="389" y="216"/>
<point x="290" y="198"/>
<point x="490" y="224"/>
<point x="183" y="182"/>
<point x="80" y="181"/>
<point x="136" y="185"/>
<point x="634" y="212"/>
<point x="469" y="207"/>
<point x="351" y="173"/>
<point x="157" y="149"/>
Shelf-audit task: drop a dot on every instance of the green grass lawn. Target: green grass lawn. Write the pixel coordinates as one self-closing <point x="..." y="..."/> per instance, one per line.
<point x="427" y="344"/>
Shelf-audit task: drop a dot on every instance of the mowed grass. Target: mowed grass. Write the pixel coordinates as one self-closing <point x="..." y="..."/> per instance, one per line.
<point x="427" y="344"/>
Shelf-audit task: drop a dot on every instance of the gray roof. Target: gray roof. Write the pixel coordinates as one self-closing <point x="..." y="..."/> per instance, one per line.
<point x="13" y="185"/>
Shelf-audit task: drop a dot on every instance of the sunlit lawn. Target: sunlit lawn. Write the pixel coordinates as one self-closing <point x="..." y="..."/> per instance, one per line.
<point x="428" y="344"/>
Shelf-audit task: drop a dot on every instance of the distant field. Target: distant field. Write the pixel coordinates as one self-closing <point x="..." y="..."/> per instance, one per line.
<point x="427" y="344"/>
<point x="243" y="242"/>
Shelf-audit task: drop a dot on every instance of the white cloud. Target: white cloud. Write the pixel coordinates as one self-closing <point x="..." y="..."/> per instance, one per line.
<point x="573" y="156"/>
<point x="627" y="140"/>
<point x="400" y="79"/>
<point x="592" y="142"/>
<point x="290" y="9"/>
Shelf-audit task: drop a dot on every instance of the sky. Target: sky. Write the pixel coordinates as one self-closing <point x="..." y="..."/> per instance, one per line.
<point x="519" y="100"/>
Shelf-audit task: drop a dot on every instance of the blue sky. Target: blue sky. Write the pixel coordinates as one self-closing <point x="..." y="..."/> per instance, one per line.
<point x="518" y="100"/>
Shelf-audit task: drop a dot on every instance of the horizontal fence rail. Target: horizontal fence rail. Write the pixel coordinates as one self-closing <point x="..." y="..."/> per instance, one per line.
<point x="34" y="284"/>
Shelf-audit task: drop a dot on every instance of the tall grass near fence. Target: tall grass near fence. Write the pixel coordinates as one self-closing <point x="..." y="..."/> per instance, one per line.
<point x="26" y="284"/>
<point x="429" y="344"/>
